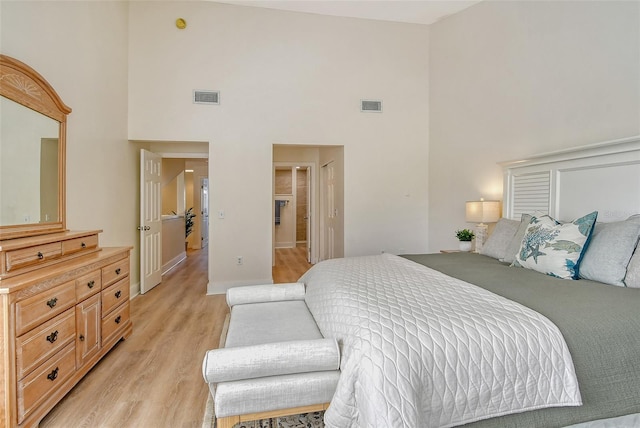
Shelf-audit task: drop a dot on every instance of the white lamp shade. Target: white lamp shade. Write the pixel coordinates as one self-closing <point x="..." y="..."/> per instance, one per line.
<point x="482" y="211"/>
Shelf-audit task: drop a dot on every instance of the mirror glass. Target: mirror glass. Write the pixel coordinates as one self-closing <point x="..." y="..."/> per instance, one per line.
<point x="29" y="162"/>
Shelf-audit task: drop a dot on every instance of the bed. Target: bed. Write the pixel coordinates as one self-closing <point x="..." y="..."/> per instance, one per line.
<point x="501" y="338"/>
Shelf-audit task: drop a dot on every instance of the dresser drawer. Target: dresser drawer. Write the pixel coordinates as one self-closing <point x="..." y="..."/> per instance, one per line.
<point x="39" y="385"/>
<point x="114" y="272"/>
<point x="42" y="342"/>
<point x="114" y="295"/>
<point x="24" y="257"/>
<point x="88" y="285"/>
<point x="44" y="306"/>
<point x="113" y="323"/>
<point x="85" y="243"/>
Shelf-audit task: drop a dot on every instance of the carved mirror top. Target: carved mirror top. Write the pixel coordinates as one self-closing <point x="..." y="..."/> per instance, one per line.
<point x="23" y="85"/>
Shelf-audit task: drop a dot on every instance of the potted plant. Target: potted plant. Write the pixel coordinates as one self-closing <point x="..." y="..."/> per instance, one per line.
<point x="188" y="223"/>
<point x="465" y="236"/>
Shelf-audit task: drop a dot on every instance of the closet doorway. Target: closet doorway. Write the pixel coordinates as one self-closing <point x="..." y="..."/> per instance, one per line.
<point x="292" y="207"/>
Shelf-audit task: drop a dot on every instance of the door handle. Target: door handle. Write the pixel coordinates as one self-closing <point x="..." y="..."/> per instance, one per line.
<point x="144" y="227"/>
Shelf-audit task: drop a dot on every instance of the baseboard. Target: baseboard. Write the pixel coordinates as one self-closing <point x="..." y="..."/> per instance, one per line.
<point x="285" y="245"/>
<point x="134" y="290"/>
<point x="174" y="262"/>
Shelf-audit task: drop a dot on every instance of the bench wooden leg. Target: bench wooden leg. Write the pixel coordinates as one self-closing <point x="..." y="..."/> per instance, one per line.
<point x="227" y="422"/>
<point x="230" y="421"/>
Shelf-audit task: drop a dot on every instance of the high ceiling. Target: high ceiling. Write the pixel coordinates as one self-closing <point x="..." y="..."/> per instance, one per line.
<point x="410" y="11"/>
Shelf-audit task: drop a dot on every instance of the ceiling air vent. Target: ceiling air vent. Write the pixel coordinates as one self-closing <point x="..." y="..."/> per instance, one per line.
<point x="206" y="97"/>
<point x="371" y="106"/>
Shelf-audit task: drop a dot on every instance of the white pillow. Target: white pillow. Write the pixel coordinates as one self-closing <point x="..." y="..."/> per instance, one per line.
<point x="498" y="241"/>
<point x="609" y="252"/>
<point x="514" y="245"/>
<point x="555" y="248"/>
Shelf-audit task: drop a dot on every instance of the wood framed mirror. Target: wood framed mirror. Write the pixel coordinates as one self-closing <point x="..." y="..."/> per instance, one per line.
<point x="33" y="130"/>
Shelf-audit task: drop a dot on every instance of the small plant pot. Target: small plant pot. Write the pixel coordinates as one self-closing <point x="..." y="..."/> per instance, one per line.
<point x="465" y="246"/>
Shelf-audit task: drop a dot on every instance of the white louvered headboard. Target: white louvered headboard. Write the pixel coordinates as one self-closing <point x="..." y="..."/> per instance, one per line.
<point x="567" y="184"/>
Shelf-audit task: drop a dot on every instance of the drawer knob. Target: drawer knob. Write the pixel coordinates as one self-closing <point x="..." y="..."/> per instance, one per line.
<point x="83" y="245"/>
<point x="81" y="338"/>
<point x="53" y="375"/>
<point x="91" y="283"/>
<point x="118" y="294"/>
<point x="53" y="337"/>
<point x="51" y="303"/>
<point x="40" y="255"/>
<point x="118" y="271"/>
<point x="118" y="319"/>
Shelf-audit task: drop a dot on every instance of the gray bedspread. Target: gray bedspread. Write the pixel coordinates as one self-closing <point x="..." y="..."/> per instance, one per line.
<point x="600" y="324"/>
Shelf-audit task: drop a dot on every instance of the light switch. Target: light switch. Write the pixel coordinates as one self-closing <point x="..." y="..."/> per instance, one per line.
<point x="220" y="213"/>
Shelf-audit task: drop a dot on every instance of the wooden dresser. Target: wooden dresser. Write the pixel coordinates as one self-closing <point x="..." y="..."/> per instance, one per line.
<point x="64" y="303"/>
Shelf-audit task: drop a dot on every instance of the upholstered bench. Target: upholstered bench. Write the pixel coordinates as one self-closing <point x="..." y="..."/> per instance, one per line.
<point x="275" y="361"/>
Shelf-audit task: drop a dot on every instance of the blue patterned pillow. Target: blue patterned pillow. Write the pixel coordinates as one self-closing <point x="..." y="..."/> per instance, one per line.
<point x="555" y="248"/>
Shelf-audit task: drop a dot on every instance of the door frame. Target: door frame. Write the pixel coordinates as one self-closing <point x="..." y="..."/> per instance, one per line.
<point x="165" y="152"/>
<point x="324" y="201"/>
<point x="313" y="210"/>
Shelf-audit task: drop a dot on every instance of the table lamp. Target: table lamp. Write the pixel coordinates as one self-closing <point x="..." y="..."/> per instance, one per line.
<point x="482" y="212"/>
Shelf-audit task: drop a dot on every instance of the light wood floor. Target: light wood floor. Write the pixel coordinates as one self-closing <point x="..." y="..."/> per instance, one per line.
<point x="291" y="263"/>
<point x="154" y="378"/>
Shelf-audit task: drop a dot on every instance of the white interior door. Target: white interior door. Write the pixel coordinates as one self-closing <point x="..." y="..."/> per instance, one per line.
<point x="308" y="216"/>
<point x="150" y="220"/>
<point x="204" y="212"/>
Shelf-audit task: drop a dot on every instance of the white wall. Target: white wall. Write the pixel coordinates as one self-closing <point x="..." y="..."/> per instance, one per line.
<point x="81" y="49"/>
<point x="287" y="78"/>
<point x="512" y="79"/>
<point x="503" y="80"/>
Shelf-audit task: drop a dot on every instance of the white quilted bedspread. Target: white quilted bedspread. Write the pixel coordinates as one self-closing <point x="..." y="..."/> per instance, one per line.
<point x="422" y="349"/>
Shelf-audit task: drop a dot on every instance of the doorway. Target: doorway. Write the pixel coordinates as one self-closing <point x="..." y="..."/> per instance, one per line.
<point x="320" y="244"/>
<point x="179" y="190"/>
<point x="293" y="202"/>
<point x="292" y="207"/>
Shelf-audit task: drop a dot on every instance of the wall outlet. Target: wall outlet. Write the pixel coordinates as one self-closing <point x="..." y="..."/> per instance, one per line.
<point x="239" y="260"/>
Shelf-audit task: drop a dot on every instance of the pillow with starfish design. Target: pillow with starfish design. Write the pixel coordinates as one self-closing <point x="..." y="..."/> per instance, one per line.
<point x="555" y="248"/>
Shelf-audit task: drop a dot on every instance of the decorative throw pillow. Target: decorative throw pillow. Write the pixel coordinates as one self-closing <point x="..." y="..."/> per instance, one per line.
<point x="609" y="252"/>
<point x="514" y="245"/>
<point x="632" y="279"/>
<point x="555" y="248"/>
<point x="503" y="233"/>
